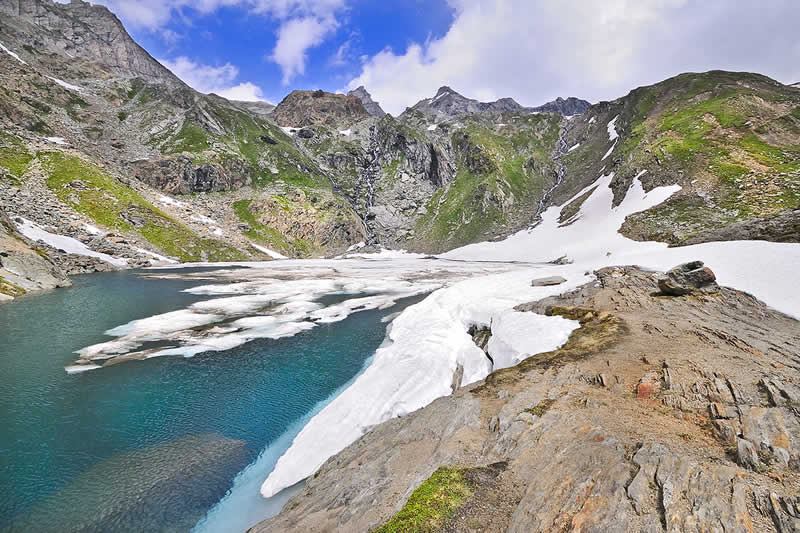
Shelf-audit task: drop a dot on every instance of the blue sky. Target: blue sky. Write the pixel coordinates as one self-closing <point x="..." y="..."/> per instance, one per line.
<point x="233" y="35"/>
<point x="403" y="50"/>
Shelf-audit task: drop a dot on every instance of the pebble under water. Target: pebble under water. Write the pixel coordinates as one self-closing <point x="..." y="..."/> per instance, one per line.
<point x="152" y="445"/>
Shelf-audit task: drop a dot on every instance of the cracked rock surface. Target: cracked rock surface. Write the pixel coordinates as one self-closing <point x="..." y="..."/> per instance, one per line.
<point x="713" y="444"/>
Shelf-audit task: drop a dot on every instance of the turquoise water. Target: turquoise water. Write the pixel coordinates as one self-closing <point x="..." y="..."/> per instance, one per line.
<point x="151" y="445"/>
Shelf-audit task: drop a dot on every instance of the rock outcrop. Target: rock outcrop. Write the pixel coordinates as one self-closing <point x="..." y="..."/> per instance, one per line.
<point x="688" y="278"/>
<point x="573" y="447"/>
<point x="372" y="107"/>
<point x="23" y="266"/>
<point x="567" y="107"/>
<point x="310" y="108"/>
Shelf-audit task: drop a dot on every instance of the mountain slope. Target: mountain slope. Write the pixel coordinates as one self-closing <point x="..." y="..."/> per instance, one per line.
<point x="730" y="140"/>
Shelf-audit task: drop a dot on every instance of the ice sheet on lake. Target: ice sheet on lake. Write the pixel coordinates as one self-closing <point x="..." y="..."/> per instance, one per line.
<point x="274" y="300"/>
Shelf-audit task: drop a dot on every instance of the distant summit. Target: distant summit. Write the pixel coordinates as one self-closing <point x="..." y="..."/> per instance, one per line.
<point x="311" y="108"/>
<point x="372" y="107"/>
<point x="448" y="103"/>
<point x="570" y="106"/>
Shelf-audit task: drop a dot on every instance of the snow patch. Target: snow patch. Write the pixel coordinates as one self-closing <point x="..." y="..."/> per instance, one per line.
<point x="432" y="127"/>
<point x="574" y="147"/>
<point x="159" y="257"/>
<point x="12" y="54"/>
<point x="516" y="336"/>
<point x="67" y="85"/>
<point x="609" y="151"/>
<point x="272" y="253"/>
<point x="612" y="129"/>
<point x="166" y="200"/>
<point x="56" y="140"/>
<point x="346" y="132"/>
<point x="289" y="130"/>
<point x="35" y="232"/>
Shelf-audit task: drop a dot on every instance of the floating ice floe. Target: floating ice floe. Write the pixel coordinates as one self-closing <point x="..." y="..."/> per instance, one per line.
<point x="35" y="233"/>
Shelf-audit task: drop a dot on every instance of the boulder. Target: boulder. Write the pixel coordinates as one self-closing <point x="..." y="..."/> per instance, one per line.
<point x="688" y="278"/>
<point x="548" y="281"/>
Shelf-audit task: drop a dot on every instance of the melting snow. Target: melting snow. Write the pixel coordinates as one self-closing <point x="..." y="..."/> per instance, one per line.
<point x="166" y="200"/>
<point x="612" y="129"/>
<point x="12" y="54"/>
<point x="56" y="140"/>
<point x="428" y="340"/>
<point x="272" y="253"/>
<point x="35" y="233"/>
<point x="346" y="132"/>
<point x="432" y="127"/>
<point x="66" y="85"/>
<point x="609" y="151"/>
<point x="289" y="130"/>
<point x="574" y="147"/>
<point x="157" y="256"/>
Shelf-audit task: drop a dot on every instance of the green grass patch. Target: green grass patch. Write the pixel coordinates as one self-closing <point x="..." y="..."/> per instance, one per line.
<point x="14" y="157"/>
<point x="10" y="289"/>
<point x="191" y="138"/>
<point x="122" y="115"/>
<point x="432" y="504"/>
<point x="113" y="205"/>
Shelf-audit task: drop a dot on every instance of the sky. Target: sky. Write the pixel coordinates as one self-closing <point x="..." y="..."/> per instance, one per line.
<point x="403" y="50"/>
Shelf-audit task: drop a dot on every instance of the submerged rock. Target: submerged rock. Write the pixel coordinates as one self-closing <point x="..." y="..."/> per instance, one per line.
<point x="688" y="278"/>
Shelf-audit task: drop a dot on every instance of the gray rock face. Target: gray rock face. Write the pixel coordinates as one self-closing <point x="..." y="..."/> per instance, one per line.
<point x="548" y="281"/>
<point x="781" y="227"/>
<point x="688" y="278"/>
<point x="22" y="268"/>
<point x="449" y="103"/>
<point x="568" y="107"/>
<point x="88" y="31"/>
<point x="372" y="107"/>
<point x="594" y="457"/>
<point x="309" y="108"/>
<point x="180" y="175"/>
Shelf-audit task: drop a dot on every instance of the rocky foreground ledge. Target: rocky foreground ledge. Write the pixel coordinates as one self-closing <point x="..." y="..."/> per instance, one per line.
<point x="661" y="413"/>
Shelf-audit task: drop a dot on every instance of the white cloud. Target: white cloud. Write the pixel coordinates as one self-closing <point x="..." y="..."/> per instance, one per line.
<point x="295" y="37"/>
<point x="209" y="79"/>
<point x="536" y="50"/>
<point x="245" y="92"/>
<point x="302" y="24"/>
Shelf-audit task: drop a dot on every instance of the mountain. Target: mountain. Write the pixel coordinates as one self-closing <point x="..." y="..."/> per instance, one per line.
<point x="570" y="106"/>
<point x="102" y="144"/>
<point x="310" y="108"/>
<point x="372" y="107"/>
<point x="795" y="85"/>
<point x="730" y="140"/>
<point x="449" y="104"/>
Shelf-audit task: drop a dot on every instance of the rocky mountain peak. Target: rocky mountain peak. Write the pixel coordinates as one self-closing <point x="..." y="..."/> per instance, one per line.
<point x="566" y="107"/>
<point x="311" y="108"/>
<point x="372" y="107"/>
<point x="80" y="30"/>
